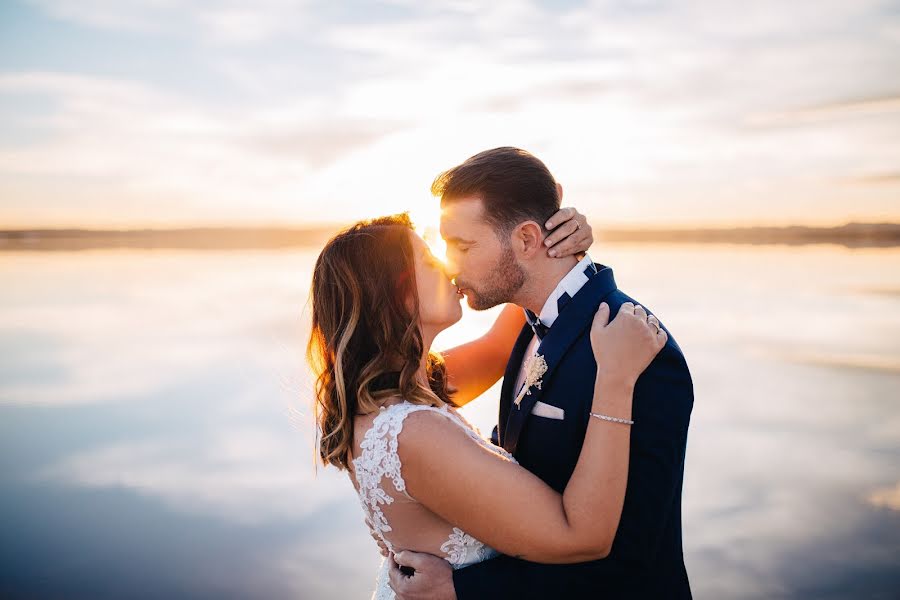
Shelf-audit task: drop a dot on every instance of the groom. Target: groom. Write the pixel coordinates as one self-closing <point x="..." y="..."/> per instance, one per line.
<point x="494" y="205"/>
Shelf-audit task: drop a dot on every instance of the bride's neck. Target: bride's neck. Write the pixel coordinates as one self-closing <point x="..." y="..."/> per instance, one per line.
<point x="428" y="335"/>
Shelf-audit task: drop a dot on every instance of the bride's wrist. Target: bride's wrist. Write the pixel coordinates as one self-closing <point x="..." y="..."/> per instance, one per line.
<point x="614" y="379"/>
<point x="613" y="394"/>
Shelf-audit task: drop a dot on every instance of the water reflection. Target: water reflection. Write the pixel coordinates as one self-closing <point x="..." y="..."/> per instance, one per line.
<point x="155" y="435"/>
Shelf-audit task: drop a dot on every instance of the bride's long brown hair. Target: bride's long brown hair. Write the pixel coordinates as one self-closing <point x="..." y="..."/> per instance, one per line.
<point x="365" y="329"/>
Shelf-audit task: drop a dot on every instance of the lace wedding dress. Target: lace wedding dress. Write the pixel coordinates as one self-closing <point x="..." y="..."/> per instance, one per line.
<point x="382" y="493"/>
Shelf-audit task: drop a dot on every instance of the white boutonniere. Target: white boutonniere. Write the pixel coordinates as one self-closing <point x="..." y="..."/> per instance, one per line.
<point x="534" y="370"/>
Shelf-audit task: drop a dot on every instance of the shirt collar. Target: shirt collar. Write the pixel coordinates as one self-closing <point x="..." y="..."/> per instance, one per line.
<point x="570" y="284"/>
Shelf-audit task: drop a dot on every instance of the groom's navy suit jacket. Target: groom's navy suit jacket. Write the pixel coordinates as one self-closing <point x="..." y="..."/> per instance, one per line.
<point x="646" y="559"/>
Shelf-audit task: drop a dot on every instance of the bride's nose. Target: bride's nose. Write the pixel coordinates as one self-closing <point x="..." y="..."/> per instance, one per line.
<point x="450" y="269"/>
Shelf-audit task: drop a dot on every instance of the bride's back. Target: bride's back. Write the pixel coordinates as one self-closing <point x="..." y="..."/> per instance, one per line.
<point x="395" y="516"/>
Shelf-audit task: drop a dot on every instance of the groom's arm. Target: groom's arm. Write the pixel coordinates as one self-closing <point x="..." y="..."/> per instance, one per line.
<point x="663" y="398"/>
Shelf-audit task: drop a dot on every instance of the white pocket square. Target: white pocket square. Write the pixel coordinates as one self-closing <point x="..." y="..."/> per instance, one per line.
<point x="547" y="410"/>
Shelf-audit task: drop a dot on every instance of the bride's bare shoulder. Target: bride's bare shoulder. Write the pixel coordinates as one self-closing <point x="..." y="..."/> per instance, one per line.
<point x="426" y="426"/>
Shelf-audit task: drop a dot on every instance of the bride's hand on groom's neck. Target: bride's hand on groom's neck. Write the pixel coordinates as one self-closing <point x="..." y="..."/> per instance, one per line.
<point x="570" y="234"/>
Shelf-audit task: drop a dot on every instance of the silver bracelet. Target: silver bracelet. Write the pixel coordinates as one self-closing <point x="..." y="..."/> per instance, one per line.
<point x="612" y="419"/>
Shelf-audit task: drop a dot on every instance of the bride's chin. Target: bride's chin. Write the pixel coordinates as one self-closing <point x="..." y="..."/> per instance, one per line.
<point x="457" y="312"/>
<point x="452" y="319"/>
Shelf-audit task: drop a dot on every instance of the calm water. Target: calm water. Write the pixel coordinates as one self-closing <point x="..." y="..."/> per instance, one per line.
<point x="155" y="433"/>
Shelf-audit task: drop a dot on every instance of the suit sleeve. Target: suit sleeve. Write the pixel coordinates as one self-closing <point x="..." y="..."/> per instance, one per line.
<point x="663" y="399"/>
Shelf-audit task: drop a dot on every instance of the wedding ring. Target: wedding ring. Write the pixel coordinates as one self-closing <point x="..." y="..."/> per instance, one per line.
<point x="577" y="225"/>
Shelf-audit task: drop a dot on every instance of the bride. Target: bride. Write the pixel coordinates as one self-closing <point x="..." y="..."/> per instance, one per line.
<point x="386" y="411"/>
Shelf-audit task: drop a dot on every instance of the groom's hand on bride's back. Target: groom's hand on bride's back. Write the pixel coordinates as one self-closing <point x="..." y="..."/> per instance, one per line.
<point x="431" y="578"/>
<point x="569" y="234"/>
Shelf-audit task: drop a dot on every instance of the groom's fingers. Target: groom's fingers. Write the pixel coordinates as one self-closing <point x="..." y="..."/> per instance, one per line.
<point x="396" y="577"/>
<point x="415" y="560"/>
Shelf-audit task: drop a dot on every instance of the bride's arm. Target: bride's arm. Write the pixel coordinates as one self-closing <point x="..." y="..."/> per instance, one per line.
<point x="513" y="510"/>
<point x="475" y="366"/>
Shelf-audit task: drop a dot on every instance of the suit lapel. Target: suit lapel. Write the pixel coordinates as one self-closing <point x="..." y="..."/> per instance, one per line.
<point x="510" y="376"/>
<point x="571" y="323"/>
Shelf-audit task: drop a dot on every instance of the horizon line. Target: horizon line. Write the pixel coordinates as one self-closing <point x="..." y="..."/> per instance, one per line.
<point x="335" y="226"/>
<point x="851" y="235"/>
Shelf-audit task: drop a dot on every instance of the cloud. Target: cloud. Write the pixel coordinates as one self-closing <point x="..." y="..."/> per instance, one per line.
<point x="223" y="22"/>
<point x="129" y="142"/>
<point x="563" y="92"/>
<point x="876" y="179"/>
<point x="828" y="112"/>
<point x="886" y="497"/>
<point x="650" y="111"/>
<point x="320" y="144"/>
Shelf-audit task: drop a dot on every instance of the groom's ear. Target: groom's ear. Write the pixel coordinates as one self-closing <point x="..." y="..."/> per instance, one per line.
<point x="528" y="239"/>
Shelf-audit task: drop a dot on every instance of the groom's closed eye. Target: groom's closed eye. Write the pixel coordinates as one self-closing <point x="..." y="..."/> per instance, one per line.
<point x="457" y="242"/>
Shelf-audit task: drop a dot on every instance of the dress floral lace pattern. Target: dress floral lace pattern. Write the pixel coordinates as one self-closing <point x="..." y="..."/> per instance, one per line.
<point x="379" y="461"/>
<point x="459" y="547"/>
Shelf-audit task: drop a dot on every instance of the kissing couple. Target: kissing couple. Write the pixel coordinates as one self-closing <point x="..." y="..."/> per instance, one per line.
<point x="578" y="492"/>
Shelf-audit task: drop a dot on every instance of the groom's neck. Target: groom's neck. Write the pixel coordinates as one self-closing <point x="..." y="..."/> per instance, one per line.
<point x="542" y="279"/>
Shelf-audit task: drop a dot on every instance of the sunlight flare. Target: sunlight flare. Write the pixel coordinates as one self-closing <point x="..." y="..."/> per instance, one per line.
<point x="426" y="218"/>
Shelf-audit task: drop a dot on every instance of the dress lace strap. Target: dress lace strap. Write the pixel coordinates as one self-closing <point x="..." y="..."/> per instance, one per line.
<point x="379" y="460"/>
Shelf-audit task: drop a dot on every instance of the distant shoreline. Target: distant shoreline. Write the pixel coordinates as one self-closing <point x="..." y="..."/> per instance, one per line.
<point x="854" y="235"/>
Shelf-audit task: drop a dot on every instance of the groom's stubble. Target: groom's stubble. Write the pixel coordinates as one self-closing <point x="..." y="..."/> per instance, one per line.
<point x="505" y="279"/>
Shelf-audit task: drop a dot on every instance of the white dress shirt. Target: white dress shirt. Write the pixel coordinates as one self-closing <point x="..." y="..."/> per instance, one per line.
<point x="573" y="281"/>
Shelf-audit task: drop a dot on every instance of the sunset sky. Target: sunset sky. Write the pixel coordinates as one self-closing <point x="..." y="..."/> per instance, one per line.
<point x="277" y="112"/>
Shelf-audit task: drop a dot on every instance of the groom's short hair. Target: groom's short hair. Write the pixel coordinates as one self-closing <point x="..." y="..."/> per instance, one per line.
<point x="514" y="186"/>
